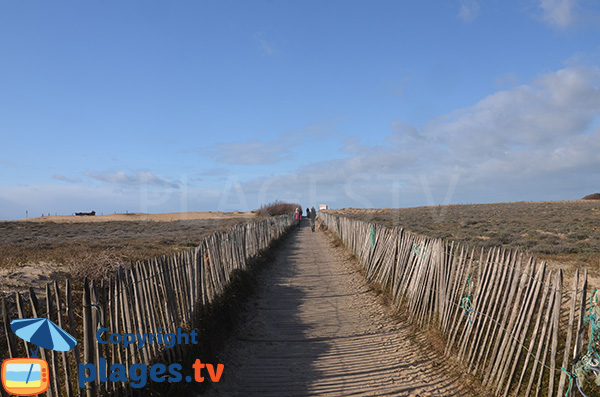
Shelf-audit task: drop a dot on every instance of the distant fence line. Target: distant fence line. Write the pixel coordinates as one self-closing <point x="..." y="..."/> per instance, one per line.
<point x="505" y="316"/>
<point x="164" y="292"/>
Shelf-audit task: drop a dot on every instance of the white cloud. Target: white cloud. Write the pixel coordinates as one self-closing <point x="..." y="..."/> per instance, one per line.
<point x="214" y="172"/>
<point x="509" y="79"/>
<point x="282" y="148"/>
<point x="266" y="46"/>
<point x="558" y="13"/>
<point x="534" y="141"/>
<point x="9" y="164"/>
<point x="63" y="178"/>
<point x="531" y="142"/>
<point x="123" y="179"/>
<point x="253" y="152"/>
<point x="547" y="113"/>
<point x="469" y="10"/>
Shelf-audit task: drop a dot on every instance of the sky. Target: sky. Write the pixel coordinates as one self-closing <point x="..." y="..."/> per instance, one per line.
<point x="155" y="106"/>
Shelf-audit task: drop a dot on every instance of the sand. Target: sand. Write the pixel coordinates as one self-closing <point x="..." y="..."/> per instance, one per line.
<point x="167" y="217"/>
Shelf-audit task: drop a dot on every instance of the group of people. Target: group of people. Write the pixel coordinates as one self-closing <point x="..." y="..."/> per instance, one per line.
<point x="311" y="214"/>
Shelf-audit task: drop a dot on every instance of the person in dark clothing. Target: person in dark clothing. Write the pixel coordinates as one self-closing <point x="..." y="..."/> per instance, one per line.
<point x="307" y="212"/>
<point x="312" y="217"/>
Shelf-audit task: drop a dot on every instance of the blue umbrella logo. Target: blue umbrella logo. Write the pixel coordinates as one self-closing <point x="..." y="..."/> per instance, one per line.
<point x="42" y="332"/>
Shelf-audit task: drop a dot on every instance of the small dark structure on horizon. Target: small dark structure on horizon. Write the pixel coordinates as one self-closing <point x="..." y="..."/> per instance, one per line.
<point x="93" y="213"/>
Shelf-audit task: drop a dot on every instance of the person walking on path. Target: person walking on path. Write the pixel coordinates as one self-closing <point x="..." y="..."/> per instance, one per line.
<point x="307" y="212"/>
<point x="298" y="216"/>
<point x="313" y="217"/>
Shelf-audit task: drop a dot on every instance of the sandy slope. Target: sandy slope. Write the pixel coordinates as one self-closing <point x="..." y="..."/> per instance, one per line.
<point x="168" y="217"/>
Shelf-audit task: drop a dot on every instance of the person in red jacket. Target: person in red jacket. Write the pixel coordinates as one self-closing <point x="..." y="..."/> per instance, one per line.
<point x="298" y="216"/>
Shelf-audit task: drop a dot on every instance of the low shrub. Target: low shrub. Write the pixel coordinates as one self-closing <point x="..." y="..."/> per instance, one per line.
<point x="277" y="208"/>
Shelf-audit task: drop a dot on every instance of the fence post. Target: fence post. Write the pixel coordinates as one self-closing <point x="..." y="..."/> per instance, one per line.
<point x="10" y="339"/>
<point x="88" y="336"/>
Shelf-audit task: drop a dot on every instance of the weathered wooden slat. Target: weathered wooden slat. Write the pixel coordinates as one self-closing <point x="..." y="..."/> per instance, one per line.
<point x="458" y="266"/>
<point x="53" y="363"/>
<point x="97" y="321"/>
<point x="88" y="335"/>
<point x="569" y="340"/>
<point x="138" y="312"/>
<point x="35" y="312"/>
<point x="10" y="339"/>
<point x="580" y="334"/>
<point x="556" y="329"/>
<point x="529" y="306"/>
<point x="71" y="319"/>
<point x="490" y="306"/>
<point x="537" y="362"/>
<point x="21" y="313"/>
<point x="459" y="311"/>
<point x="149" y="303"/>
<point x="499" y="333"/>
<point x="110" y="324"/>
<point x="549" y="336"/>
<point x="539" y="309"/>
<point x="127" y="319"/>
<point x="65" y="360"/>
<point x="485" y="277"/>
<point x="515" y="307"/>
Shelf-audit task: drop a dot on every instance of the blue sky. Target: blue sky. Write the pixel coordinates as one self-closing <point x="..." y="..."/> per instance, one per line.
<point x="159" y="106"/>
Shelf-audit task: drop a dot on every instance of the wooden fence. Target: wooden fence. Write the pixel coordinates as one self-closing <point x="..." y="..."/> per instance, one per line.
<point x="161" y="293"/>
<point x="507" y="317"/>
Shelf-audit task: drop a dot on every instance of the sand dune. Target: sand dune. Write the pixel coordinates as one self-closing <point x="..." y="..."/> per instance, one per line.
<point x="167" y="217"/>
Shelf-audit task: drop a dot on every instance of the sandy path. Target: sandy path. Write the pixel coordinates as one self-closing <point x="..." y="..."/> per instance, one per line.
<point x="316" y="329"/>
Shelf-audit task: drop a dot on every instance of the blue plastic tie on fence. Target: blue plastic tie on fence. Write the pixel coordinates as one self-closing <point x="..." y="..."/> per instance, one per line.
<point x="372" y="236"/>
<point x="592" y="318"/>
<point x="570" y="375"/>
<point x="591" y="359"/>
<point x="468" y="307"/>
<point x="466" y="303"/>
<point x="416" y="250"/>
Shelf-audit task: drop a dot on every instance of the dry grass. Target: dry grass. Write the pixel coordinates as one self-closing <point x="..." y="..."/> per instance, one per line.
<point x="595" y="196"/>
<point x="564" y="231"/>
<point x="95" y="249"/>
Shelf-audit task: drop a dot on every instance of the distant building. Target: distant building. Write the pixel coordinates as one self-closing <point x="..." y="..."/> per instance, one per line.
<point x="322" y="207"/>
<point x="93" y="213"/>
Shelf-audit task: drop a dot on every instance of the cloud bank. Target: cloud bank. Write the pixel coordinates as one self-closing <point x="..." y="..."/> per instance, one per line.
<point x="535" y="141"/>
<point x="538" y="141"/>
